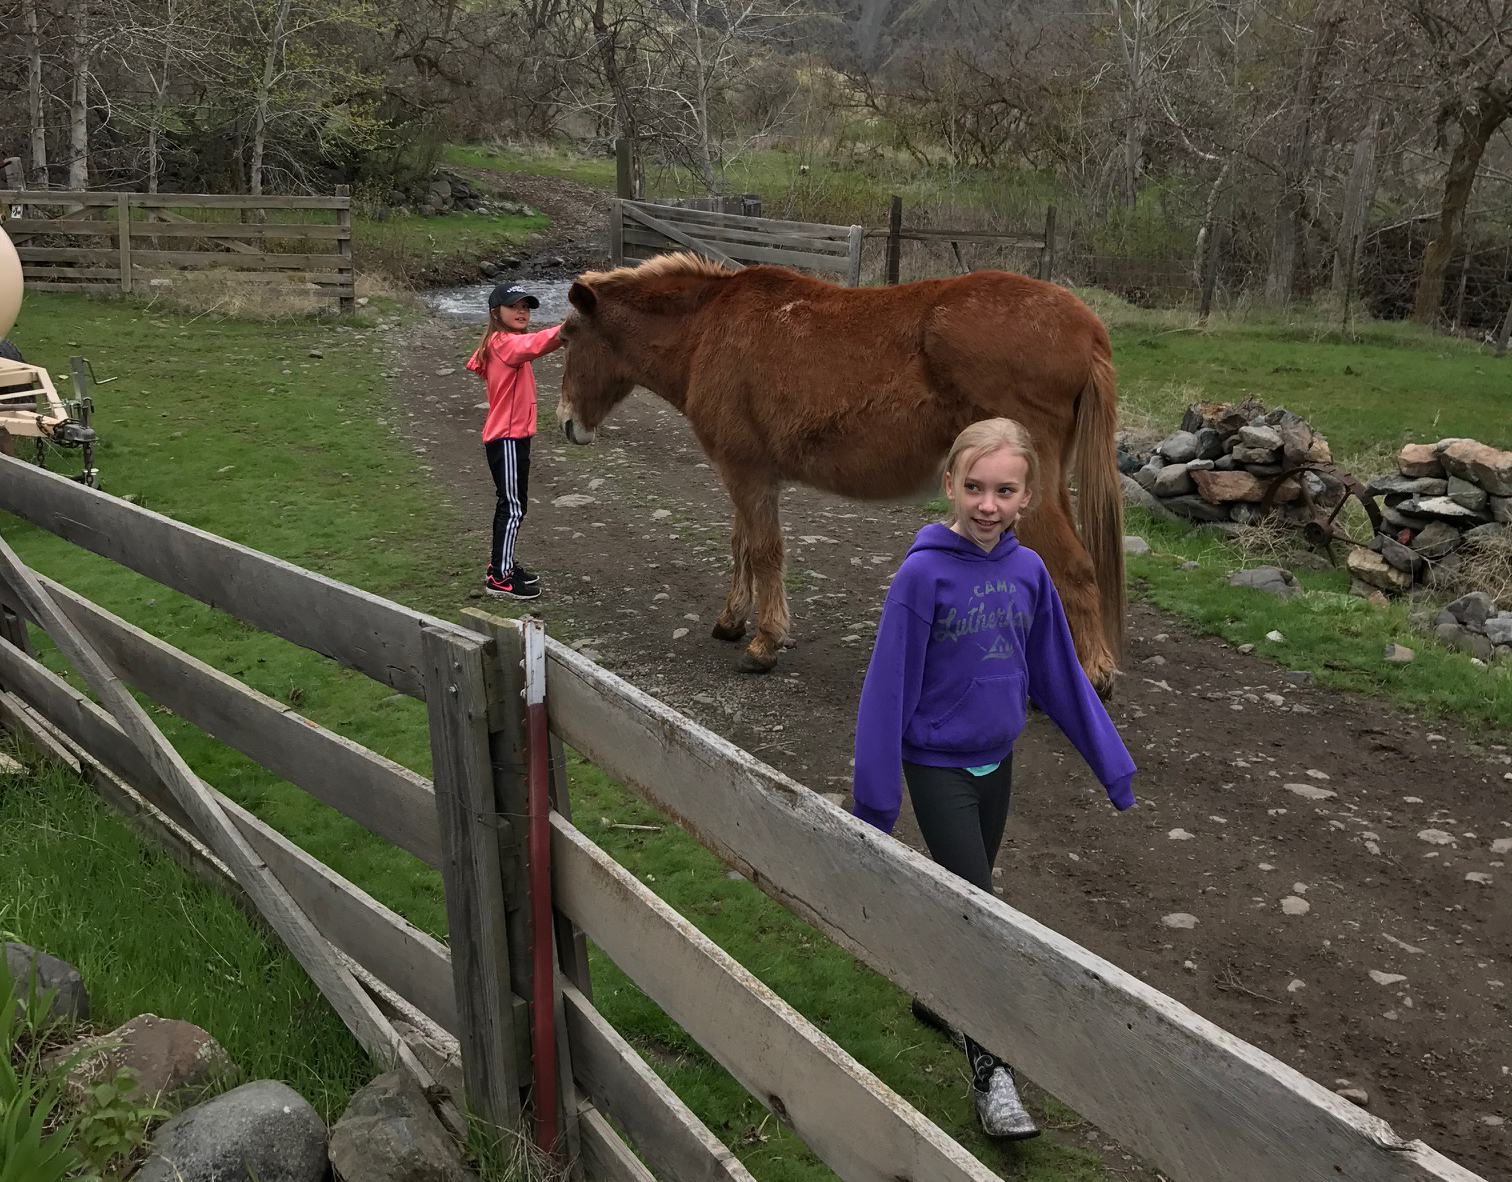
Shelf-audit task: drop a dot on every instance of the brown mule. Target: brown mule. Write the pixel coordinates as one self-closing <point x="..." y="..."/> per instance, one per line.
<point x="860" y="391"/>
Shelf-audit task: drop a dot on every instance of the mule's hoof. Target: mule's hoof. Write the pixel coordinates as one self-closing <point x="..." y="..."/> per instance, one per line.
<point x="750" y="663"/>
<point x="720" y="632"/>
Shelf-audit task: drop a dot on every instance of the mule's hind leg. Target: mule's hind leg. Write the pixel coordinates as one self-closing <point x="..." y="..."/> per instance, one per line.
<point x="765" y="553"/>
<point x="1047" y="529"/>
<point x="731" y="624"/>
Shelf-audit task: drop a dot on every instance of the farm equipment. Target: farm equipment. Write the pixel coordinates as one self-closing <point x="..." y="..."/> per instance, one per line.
<point x="1323" y="491"/>
<point x="30" y="407"/>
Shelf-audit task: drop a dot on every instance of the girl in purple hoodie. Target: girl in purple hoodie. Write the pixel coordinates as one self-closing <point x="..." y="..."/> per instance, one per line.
<point x="971" y="630"/>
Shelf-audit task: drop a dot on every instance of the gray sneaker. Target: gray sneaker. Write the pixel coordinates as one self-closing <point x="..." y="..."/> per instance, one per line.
<point x="1001" y="1111"/>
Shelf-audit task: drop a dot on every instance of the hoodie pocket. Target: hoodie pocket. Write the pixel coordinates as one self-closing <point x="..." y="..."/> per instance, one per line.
<point x="991" y="713"/>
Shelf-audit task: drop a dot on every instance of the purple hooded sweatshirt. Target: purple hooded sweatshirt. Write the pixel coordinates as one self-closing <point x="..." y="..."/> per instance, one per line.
<point x="966" y="639"/>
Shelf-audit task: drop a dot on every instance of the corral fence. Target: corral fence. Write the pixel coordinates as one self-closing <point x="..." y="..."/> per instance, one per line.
<point x="1191" y="1098"/>
<point x="134" y="242"/>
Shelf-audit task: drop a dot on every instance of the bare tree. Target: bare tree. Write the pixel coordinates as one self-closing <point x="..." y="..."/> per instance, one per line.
<point x="1469" y="45"/>
<point x="78" y="105"/>
<point x="1296" y="155"/>
<point x="36" y="116"/>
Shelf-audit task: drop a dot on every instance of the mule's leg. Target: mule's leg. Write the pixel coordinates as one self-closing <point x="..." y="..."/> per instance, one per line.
<point x="731" y="624"/>
<point x="1047" y="529"/>
<point x="765" y="553"/>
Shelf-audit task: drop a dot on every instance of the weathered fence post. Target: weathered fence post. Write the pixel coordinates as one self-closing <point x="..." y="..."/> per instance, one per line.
<point x="123" y="234"/>
<point x="1210" y="275"/>
<point x="894" y="239"/>
<point x="1047" y="252"/>
<point x="624" y="180"/>
<point x="474" y="825"/>
<point x="617" y="232"/>
<point x="344" y="249"/>
<point x="1504" y="332"/>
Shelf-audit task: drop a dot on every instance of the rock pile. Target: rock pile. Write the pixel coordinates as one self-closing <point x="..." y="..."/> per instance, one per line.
<point x="1472" y="625"/>
<point x="1219" y="465"/>
<point x="1446" y="502"/>
<point x="262" y="1129"/>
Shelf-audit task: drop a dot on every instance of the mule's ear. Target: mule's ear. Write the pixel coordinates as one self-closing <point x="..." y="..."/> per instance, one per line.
<point x="581" y="297"/>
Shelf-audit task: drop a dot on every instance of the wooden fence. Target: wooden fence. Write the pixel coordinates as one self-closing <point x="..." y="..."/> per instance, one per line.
<point x="1194" y="1100"/>
<point x="127" y="241"/>
<point x="642" y="230"/>
<point x="1043" y="243"/>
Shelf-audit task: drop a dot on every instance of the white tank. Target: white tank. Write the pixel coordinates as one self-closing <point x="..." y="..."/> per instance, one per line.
<point x="10" y="284"/>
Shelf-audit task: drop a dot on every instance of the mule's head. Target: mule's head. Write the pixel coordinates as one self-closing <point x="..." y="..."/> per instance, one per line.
<point x="594" y="380"/>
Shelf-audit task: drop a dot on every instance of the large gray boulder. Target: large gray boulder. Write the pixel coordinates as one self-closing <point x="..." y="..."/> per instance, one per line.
<point x="263" y="1130"/>
<point x="1472" y="610"/>
<point x="389" y="1134"/>
<point x="69" y="1004"/>
<point x="1267" y="578"/>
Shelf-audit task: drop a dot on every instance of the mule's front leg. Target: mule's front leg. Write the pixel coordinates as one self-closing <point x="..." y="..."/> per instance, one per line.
<point x="764" y="552"/>
<point x="731" y="624"/>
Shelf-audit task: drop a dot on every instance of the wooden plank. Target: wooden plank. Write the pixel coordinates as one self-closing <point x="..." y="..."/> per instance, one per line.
<point x="458" y="702"/>
<point x="292" y="279"/>
<point x="672" y="232"/>
<point x="34" y="271"/>
<point x="84" y="288"/>
<point x="1172" y="1086"/>
<point x="696" y="217"/>
<point x="616" y="233"/>
<point x="211" y="259"/>
<point x="169" y="200"/>
<point x="758" y="237"/>
<point x="678" y="1145"/>
<point x="64" y="254"/>
<point x="572" y="944"/>
<point x="123" y="238"/>
<point x="857" y="1125"/>
<point x="1033" y="241"/>
<point x="389" y="800"/>
<point x="356" y="1008"/>
<point x="411" y="963"/>
<point x="853" y="269"/>
<point x="607" y="1158"/>
<point x="344" y="248"/>
<point x="748" y="254"/>
<point x="362" y="631"/>
<point x="225" y="230"/>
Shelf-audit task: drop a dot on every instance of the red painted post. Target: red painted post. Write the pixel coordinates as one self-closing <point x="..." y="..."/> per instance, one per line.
<point x="538" y="788"/>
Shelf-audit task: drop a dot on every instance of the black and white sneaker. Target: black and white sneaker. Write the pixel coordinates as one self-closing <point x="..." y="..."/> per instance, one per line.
<point x="524" y="577"/>
<point x="509" y="588"/>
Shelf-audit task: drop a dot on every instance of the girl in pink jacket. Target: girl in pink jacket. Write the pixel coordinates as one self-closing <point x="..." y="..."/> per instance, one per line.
<point x="503" y="360"/>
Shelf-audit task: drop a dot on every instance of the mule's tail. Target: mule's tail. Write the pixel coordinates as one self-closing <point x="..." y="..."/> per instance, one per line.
<point x="1100" y="495"/>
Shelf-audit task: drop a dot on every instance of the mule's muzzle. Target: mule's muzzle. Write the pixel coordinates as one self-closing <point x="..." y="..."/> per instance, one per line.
<point x="576" y="434"/>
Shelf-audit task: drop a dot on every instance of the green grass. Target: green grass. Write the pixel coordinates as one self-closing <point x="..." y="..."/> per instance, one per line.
<point x="1336" y="636"/>
<point x="406" y="244"/>
<point x="1368" y="391"/>
<point x="80" y="885"/>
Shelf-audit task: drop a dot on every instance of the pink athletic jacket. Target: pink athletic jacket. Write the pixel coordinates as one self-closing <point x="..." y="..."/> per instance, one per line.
<point x="511" y="386"/>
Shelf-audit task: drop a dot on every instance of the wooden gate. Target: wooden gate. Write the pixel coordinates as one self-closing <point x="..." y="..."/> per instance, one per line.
<point x="642" y="230"/>
<point x="94" y="242"/>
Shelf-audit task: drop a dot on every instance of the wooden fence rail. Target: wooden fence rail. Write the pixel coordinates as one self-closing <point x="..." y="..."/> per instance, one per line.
<point x="116" y="241"/>
<point x="642" y="230"/>
<point x="1197" y="1102"/>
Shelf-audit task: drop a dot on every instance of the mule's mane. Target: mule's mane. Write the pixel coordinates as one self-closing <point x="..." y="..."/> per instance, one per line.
<point x="683" y="263"/>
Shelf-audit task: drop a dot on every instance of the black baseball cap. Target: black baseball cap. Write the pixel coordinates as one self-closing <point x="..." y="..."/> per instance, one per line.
<point x="508" y="297"/>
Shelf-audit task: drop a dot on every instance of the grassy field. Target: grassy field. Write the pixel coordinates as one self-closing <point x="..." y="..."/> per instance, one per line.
<point x="234" y="427"/>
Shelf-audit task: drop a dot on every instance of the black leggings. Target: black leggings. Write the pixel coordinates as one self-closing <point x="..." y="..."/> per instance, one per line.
<point x="509" y="461"/>
<point x="961" y="816"/>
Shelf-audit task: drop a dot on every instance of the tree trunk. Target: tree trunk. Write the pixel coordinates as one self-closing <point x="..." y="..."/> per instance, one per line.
<point x="1358" y="194"/>
<point x="629" y="126"/>
<point x="261" y="107"/>
<point x="35" y="115"/>
<point x="1477" y="122"/>
<point x="1294" y="164"/>
<point x="1134" y="127"/>
<point x="78" y="106"/>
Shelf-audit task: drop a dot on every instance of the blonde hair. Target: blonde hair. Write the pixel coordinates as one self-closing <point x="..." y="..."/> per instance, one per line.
<point x="983" y="438"/>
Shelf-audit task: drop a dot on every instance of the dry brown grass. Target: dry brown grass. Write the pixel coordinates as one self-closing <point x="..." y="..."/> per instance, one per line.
<point x="1486" y="565"/>
<point x="221" y="294"/>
